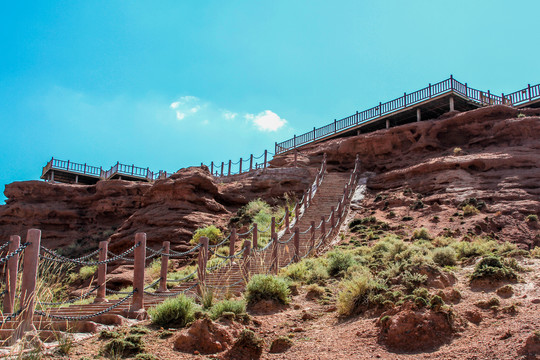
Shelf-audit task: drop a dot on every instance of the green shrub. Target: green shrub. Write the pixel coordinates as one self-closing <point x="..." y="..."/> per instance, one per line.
<point x="107" y="334"/>
<point x="131" y="345"/>
<point x="146" y="356"/>
<point x="213" y="234"/>
<point x="445" y="256"/>
<point x="532" y="218"/>
<point x="176" y="312"/>
<point x="412" y="280"/>
<point x="470" y="210"/>
<point x="137" y="330"/>
<point x="492" y="267"/>
<point x="267" y="287"/>
<point x="232" y="306"/>
<point x="315" y="291"/>
<point x="421" y="234"/>
<point x="417" y="205"/>
<point x="307" y="271"/>
<point x="478" y="204"/>
<point x="339" y="262"/>
<point x="356" y="292"/>
<point x="407" y="218"/>
<point x="207" y="299"/>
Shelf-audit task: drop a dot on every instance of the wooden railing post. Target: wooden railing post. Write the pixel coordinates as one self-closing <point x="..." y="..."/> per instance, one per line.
<point x="296" y="243"/>
<point x="222" y="166"/>
<point x="287" y="230"/>
<point x="201" y="265"/>
<point x="247" y="260"/>
<point x="232" y="241"/>
<point x="312" y="237"/>
<point x="275" y="255"/>
<point x="429" y="90"/>
<point x="11" y="275"/>
<point x="529" y="91"/>
<point x="451" y="82"/>
<point x="335" y="126"/>
<point x="265" y="157"/>
<point x="212" y="168"/>
<point x="251" y="162"/>
<point x="28" y="286"/>
<point x="255" y="236"/>
<point x="137" y="304"/>
<point x="102" y="273"/>
<point x="164" y="266"/>
<point x="272" y="227"/>
<point x="230" y="164"/>
<point x="240" y="171"/>
<point x="466" y="90"/>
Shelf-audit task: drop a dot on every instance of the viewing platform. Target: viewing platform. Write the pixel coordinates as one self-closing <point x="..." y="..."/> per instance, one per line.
<point x="427" y="103"/>
<point x="69" y="172"/>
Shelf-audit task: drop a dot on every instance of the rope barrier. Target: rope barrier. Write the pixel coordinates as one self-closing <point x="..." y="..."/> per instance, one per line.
<point x="285" y="242"/>
<point x="220" y="243"/>
<point x="246" y="233"/>
<point x="84" y="317"/>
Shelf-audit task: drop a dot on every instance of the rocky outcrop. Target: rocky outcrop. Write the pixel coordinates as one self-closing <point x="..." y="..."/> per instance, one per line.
<point x="77" y="217"/>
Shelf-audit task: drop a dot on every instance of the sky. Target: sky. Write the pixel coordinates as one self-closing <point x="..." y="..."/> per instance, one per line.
<point x="171" y="84"/>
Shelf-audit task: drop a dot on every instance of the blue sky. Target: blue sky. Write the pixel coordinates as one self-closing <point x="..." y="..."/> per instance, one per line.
<point x="169" y="84"/>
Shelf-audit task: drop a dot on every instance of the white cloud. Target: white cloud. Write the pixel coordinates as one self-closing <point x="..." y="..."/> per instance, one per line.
<point x="175" y="105"/>
<point x="229" y="115"/>
<point x="266" y="120"/>
<point x="180" y="115"/>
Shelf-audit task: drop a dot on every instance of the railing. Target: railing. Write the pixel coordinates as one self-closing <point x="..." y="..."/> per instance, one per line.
<point x="242" y="166"/>
<point x="118" y="168"/>
<point x="73" y="167"/>
<point x="407" y="100"/>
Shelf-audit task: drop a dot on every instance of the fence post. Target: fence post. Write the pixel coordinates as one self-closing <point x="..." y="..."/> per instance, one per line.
<point x="28" y="286"/>
<point x="212" y="168"/>
<point x="137" y="305"/>
<point x="429" y="92"/>
<point x="11" y="275"/>
<point x="275" y="260"/>
<point x="404" y="99"/>
<point x="380" y="108"/>
<point x="287" y="230"/>
<point x="466" y="92"/>
<point x="296" y="242"/>
<point x="247" y="260"/>
<point x="251" y="162"/>
<point x="529" y="91"/>
<point x="312" y="238"/>
<point x="232" y="241"/>
<point x="240" y="166"/>
<point x="272" y="227"/>
<point x="451" y="82"/>
<point x="201" y="264"/>
<point x="222" y="166"/>
<point x="335" y="126"/>
<point x="332" y="218"/>
<point x="314" y="133"/>
<point x="164" y="266"/>
<point x="255" y="236"/>
<point x="230" y="163"/>
<point x="265" y="157"/>
<point x="102" y="273"/>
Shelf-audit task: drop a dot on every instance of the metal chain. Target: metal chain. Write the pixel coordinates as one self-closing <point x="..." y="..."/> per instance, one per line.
<point x="247" y="232"/>
<point x="179" y="254"/>
<point x="184" y="278"/>
<point x="121" y="258"/>
<point x="72" y="300"/>
<point x="305" y="231"/>
<point x="15" y="252"/>
<point x="287" y="241"/>
<point x="219" y="244"/>
<point x="63" y="259"/>
<point x="208" y="269"/>
<point x="84" y="317"/>
<point x="95" y="252"/>
<point x="4" y="245"/>
<point x="10" y="317"/>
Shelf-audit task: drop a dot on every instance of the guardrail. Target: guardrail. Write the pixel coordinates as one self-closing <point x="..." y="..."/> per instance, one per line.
<point x="449" y="85"/>
<point x="94" y="171"/>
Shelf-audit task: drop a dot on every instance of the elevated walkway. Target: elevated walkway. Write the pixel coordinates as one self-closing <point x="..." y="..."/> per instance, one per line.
<point x="427" y="103"/>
